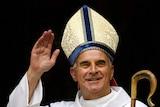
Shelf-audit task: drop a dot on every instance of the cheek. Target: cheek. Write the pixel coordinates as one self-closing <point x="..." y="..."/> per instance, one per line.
<point x="109" y="73"/>
<point x="78" y="75"/>
<point x="81" y="74"/>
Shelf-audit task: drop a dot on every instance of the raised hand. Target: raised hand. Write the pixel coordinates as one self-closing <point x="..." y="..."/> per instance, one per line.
<point x="42" y="59"/>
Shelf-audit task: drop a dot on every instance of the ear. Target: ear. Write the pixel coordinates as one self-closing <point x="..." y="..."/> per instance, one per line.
<point x="73" y="73"/>
<point x="112" y="71"/>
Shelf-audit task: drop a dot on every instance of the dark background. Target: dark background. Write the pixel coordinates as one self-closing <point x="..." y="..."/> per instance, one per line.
<point x="23" y="22"/>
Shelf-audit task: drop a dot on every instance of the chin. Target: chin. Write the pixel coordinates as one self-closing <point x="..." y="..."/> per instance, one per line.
<point x="95" y="89"/>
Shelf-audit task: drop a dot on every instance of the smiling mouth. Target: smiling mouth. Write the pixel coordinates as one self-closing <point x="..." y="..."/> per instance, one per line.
<point x="93" y="79"/>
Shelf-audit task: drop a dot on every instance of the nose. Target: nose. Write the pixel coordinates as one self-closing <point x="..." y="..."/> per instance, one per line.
<point x="93" y="70"/>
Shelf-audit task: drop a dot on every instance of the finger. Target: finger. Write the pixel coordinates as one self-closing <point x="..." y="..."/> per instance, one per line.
<point x="55" y="55"/>
<point x="50" y="42"/>
<point x="48" y="38"/>
<point x="39" y="42"/>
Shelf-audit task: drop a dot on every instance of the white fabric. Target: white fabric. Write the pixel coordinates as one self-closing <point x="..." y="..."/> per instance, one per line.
<point x="19" y="96"/>
<point x="117" y="98"/>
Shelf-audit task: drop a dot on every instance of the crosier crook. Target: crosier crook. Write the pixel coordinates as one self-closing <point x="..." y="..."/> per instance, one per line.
<point x="143" y="74"/>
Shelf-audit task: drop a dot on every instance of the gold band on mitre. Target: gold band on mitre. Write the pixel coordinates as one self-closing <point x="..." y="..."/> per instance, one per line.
<point x="85" y="30"/>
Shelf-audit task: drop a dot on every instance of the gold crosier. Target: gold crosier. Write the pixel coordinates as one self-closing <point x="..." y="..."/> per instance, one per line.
<point x="143" y="74"/>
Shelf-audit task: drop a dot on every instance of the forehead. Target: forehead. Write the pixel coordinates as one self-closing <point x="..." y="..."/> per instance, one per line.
<point x="92" y="54"/>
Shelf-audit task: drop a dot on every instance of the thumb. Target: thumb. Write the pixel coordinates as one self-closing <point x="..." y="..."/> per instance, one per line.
<point x="55" y="55"/>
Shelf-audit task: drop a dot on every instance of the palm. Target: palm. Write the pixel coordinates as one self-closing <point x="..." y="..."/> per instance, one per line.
<point x="41" y="58"/>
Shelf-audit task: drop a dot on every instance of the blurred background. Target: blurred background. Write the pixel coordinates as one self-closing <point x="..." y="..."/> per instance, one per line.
<point x="23" y="22"/>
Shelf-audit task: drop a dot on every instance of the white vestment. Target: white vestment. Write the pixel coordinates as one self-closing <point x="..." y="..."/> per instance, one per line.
<point x="117" y="98"/>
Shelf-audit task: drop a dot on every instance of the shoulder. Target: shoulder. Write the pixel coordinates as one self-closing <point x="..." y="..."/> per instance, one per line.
<point x="122" y="92"/>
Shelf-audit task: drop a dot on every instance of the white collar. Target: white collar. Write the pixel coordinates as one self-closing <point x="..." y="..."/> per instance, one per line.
<point x="97" y="102"/>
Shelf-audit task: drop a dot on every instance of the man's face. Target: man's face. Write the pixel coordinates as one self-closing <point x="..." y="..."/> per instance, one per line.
<point x="93" y="73"/>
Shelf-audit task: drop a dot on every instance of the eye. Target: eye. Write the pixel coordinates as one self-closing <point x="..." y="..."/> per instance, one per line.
<point x="100" y="63"/>
<point x="84" y="64"/>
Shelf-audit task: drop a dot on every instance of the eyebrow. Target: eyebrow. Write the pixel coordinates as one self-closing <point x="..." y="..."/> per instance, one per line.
<point x="101" y="60"/>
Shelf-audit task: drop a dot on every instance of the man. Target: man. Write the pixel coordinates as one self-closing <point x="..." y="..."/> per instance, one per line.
<point x="89" y="42"/>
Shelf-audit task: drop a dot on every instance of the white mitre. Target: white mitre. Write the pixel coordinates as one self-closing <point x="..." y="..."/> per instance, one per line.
<point x="85" y="30"/>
